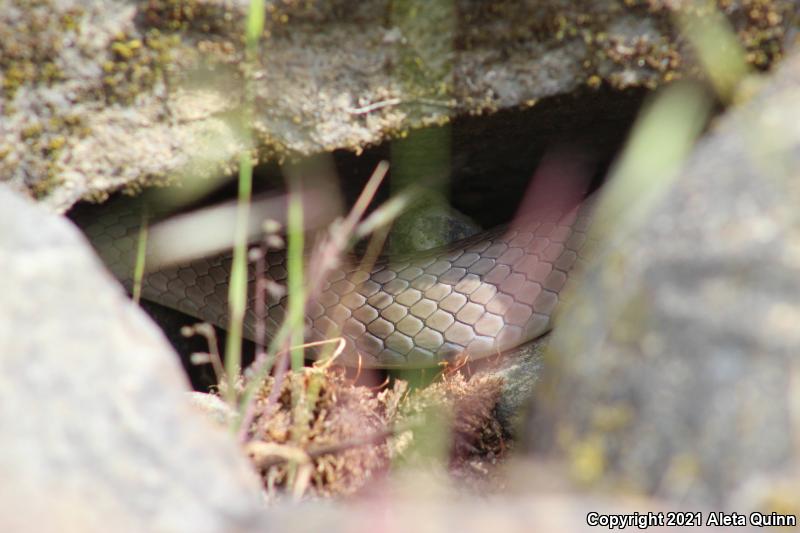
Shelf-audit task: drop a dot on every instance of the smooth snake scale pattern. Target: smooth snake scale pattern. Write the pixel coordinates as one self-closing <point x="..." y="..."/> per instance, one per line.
<point x="480" y="296"/>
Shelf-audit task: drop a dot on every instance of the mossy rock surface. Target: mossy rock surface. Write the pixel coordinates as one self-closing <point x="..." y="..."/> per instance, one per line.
<point x="123" y="94"/>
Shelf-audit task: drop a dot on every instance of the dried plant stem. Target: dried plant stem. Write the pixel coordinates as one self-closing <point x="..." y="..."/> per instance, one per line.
<point x="340" y="447"/>
<point x="208" y="332"/>
<point x="260" y="303"/>
<point x="248" y="408"/>
<point x="324" y="258"/>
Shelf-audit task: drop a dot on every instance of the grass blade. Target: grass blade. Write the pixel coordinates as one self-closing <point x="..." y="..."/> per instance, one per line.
<point x="294" y="265"/>
<point x="237" y="290"/>
<point x="141" y="252"/>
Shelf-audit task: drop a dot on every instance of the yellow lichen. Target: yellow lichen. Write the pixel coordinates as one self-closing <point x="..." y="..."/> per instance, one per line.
<point x="588" y="460"/>
<point x="56" y="143"/>
<point x="32" y="131"/>
<point x="594" y="81"/>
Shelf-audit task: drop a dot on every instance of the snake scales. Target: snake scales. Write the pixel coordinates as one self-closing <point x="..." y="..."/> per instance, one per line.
<point x="479" y="296"/>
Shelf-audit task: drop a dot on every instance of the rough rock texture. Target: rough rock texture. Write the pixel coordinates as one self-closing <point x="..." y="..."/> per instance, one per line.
<point x="678" y="374"/>
<point x="97" y="430"/>
<point x="429" y="226"/>
<point x="520" y="371"/>
<point x="110" y="94"/>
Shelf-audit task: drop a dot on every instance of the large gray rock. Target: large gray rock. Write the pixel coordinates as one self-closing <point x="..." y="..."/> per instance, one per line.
<point x="676" y="372"/>
<point x="97" y="430"/>
<point x="120" y="93"/>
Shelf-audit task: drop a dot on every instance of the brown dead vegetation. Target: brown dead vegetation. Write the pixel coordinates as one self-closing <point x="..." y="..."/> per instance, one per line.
<point x="341" y="437"/>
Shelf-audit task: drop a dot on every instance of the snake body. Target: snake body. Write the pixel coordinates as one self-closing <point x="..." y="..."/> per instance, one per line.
<point x="479" y="296"/>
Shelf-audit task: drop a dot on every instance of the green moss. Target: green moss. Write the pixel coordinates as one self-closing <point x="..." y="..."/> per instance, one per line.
<point x="425" y="64"/>
<point x="433" y="33"/>
<point x="52" y="179"/>
<point x="29" y="52"/>
<point x="48" y="140"/>
<point x="181" y="15"/>
<point x="760" y="26"/>
<point x="135" y="65"/>
<point x="126" y="50"/>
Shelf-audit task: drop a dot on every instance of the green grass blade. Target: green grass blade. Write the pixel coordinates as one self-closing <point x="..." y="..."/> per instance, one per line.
<point x="141" y="252"/>
<point x="255" y="22"/>
<point x="237" y="290"/>
<point x="296" y="283"/>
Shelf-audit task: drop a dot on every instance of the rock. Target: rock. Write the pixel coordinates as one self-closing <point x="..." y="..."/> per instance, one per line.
<point x="427" y="226"/>
<point x="520" y="370"/>
<point x="677" y="375"/>
<point x="214" y="407"/>
<point x="120" y="94"/>
<point x="98" y="431"/>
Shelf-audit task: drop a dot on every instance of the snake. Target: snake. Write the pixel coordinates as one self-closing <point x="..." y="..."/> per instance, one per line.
<point x="476" y="297"/>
